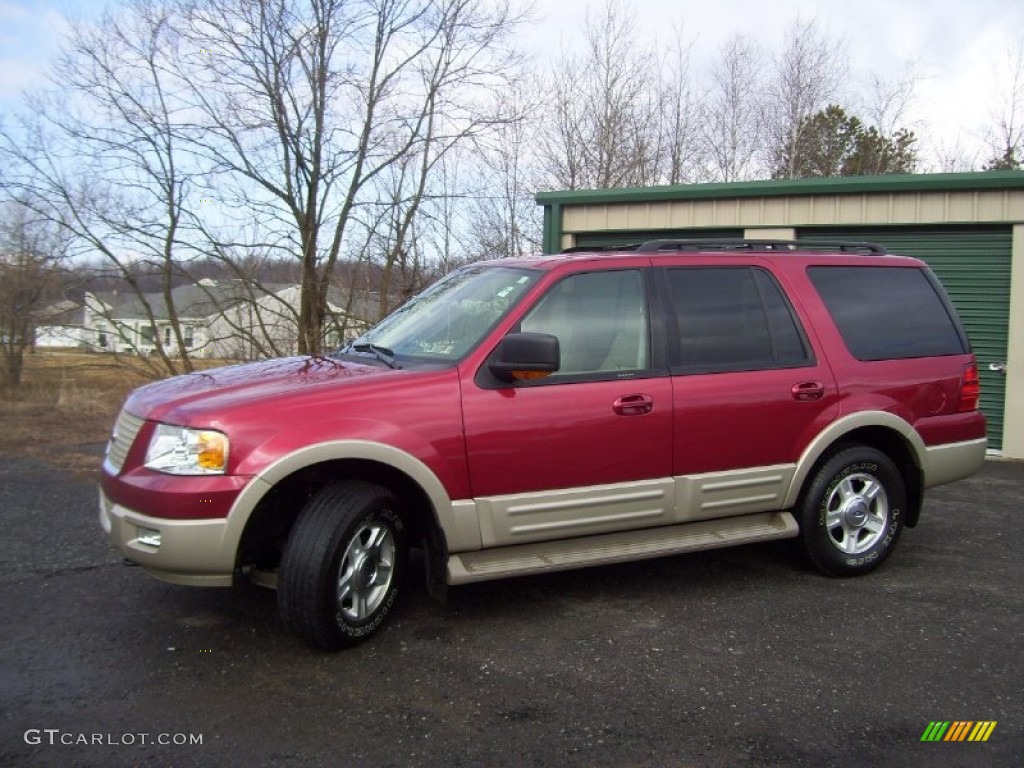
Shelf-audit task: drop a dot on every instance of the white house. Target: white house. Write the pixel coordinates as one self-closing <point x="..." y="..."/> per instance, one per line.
<point x="62" y="326"/>
<point x="230" y="319"/>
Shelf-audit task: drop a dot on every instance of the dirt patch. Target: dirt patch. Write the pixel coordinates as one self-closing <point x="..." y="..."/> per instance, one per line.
<point x="63" y="412"/>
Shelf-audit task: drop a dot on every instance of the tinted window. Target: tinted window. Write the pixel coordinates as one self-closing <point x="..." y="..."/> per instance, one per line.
<point x="600" y="319"/>
<point x="888" y="313"/>
<point x="732" y="319"/>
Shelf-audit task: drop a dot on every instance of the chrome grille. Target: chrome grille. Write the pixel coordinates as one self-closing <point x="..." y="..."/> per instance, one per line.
<point x="125" y="430"/>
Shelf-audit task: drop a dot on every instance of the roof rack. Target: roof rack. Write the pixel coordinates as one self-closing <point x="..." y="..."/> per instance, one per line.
<point x="737" y="244"/>
<point x="741" y="244"/>
<point x="598" y="248"/>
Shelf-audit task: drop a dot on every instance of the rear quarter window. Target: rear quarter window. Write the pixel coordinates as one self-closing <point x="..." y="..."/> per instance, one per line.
<point x="889" y="313"/>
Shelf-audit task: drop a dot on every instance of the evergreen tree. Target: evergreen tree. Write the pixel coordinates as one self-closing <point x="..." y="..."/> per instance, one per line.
<point x="833" y="143"/>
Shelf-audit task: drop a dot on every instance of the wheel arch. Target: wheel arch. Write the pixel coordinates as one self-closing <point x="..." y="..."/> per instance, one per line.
<point x="884" y="431"/>
<point x="265" y="511"/>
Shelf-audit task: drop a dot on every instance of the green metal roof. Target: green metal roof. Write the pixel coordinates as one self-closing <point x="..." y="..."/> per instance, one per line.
<point x="895" y="183"/>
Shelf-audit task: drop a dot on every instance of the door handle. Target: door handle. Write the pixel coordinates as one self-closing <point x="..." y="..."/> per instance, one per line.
<point x="808" y="390"/>
<point x="633" y="405"/>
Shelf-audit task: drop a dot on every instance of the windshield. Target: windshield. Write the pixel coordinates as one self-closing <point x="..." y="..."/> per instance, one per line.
<point x="450" y="318"/>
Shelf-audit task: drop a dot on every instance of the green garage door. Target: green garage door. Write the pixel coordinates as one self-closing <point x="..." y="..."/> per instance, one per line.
<point x="605" y="239"/>
<point x="974" y="265"/>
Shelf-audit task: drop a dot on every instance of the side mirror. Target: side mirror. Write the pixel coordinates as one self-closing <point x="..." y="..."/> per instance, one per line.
<point x="525" y="356"/>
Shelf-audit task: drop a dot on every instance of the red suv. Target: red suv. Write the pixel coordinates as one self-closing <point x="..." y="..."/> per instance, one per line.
<point x="530" y="415"/>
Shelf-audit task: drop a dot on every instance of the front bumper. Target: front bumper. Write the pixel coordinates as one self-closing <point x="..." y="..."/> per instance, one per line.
<point x="190" y="552"/>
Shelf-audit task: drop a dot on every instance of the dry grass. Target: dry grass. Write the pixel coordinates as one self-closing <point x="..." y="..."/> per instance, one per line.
<point x="65" y="407"/>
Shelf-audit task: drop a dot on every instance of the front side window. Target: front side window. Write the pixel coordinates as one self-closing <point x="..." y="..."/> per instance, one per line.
<point x="886" y="313"/>
<point x="600" y="320"/>
<point x="732" y="319"/>
<point x="450" y="318"/>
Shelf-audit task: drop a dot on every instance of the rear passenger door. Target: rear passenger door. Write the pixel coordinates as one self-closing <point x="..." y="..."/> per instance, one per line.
<point x="748" y="388"/>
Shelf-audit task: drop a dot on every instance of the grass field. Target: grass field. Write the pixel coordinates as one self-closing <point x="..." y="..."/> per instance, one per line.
<point x="63" y="412"/>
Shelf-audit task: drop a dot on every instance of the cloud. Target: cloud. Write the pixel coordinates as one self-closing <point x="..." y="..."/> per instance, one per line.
<point x="30" y="34"/>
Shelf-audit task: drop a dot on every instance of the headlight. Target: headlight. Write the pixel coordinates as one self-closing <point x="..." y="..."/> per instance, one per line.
<point x="183" y="451"/>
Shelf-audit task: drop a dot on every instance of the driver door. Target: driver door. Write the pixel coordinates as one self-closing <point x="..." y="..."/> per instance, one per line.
<point x="589" y="449"/>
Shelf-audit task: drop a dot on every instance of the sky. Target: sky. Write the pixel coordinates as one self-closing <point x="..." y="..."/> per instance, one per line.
<point x="955" y="46"/>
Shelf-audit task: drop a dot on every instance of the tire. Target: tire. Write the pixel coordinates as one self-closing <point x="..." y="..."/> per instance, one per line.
<point x="851" y="514"/>
<point x="342" y="565"/>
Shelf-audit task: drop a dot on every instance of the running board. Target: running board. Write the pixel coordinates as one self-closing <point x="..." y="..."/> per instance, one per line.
<point x="525" y="559"/>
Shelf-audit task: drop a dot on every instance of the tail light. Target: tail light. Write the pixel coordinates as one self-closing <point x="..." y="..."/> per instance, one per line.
<point x="970" y="389"/>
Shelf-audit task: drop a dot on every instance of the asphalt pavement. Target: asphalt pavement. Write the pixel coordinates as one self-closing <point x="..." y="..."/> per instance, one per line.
<point x="739" y="657"/>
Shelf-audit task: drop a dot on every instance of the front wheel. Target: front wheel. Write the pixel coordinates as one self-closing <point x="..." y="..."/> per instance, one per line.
<point x="342" y="565"/>
<point x="852" y="512"/>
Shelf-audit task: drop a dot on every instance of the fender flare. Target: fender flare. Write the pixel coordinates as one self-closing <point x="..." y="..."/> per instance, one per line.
<point x="843" y="426"/>
<point x="262" y="483"/>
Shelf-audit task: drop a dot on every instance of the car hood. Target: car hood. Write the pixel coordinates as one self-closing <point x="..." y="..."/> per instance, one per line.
<point x="182" y="398"/>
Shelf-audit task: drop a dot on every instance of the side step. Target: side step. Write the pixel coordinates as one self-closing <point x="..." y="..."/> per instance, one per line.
<point x="525" y="559"/>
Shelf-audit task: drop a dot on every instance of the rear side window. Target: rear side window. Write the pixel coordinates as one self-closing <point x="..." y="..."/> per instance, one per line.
<point x="732" y="319"/>
<point x="886" y="313"/>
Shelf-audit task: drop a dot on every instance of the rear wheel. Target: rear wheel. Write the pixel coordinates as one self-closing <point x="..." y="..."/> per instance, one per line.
<point x="343" y="565"/>
<point x="851" y="514"/>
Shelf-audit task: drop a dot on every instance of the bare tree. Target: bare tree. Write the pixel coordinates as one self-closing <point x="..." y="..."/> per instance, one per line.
<point x="732" y="116"/>
<point x="808" y="74"/>
<point x="1006" y="137"/>
<point x="604" y="127"/>
<point x="562" y="141"/>
<point x="502" y="214"/>
<point x="888" y="99"/>
<point x="307" y="105"/>
<point x="953" y="156"/>
<point x="445" y="234"/>
<point x="681" y="151"/>
<point x="32" y="256"/>
<point x="100" y="156"/>
<point x="185" y="130"/>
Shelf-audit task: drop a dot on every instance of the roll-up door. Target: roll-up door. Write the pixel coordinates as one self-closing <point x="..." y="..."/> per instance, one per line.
<point x="605" y="239"/>
<point x="973" y="264"/>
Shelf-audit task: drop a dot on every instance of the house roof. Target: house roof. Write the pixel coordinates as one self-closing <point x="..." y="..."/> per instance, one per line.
<point x="191" y="302"/>
<point x="66" y="312"/>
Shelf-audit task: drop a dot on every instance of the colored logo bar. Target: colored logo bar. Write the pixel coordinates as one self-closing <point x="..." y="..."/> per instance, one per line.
<point x="958" y="730"/>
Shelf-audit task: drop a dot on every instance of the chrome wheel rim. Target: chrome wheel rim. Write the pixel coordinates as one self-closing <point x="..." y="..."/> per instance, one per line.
<point x="857" y="513"/>
<point x="365" y="572"/>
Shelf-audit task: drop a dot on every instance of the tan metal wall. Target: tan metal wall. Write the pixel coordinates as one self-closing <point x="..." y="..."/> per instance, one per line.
<point x="802" y="211"/>
<point x="1013" y="435"/>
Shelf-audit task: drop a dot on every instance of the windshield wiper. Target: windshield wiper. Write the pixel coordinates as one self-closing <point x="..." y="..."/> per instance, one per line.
<point x="383" y="354"/>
